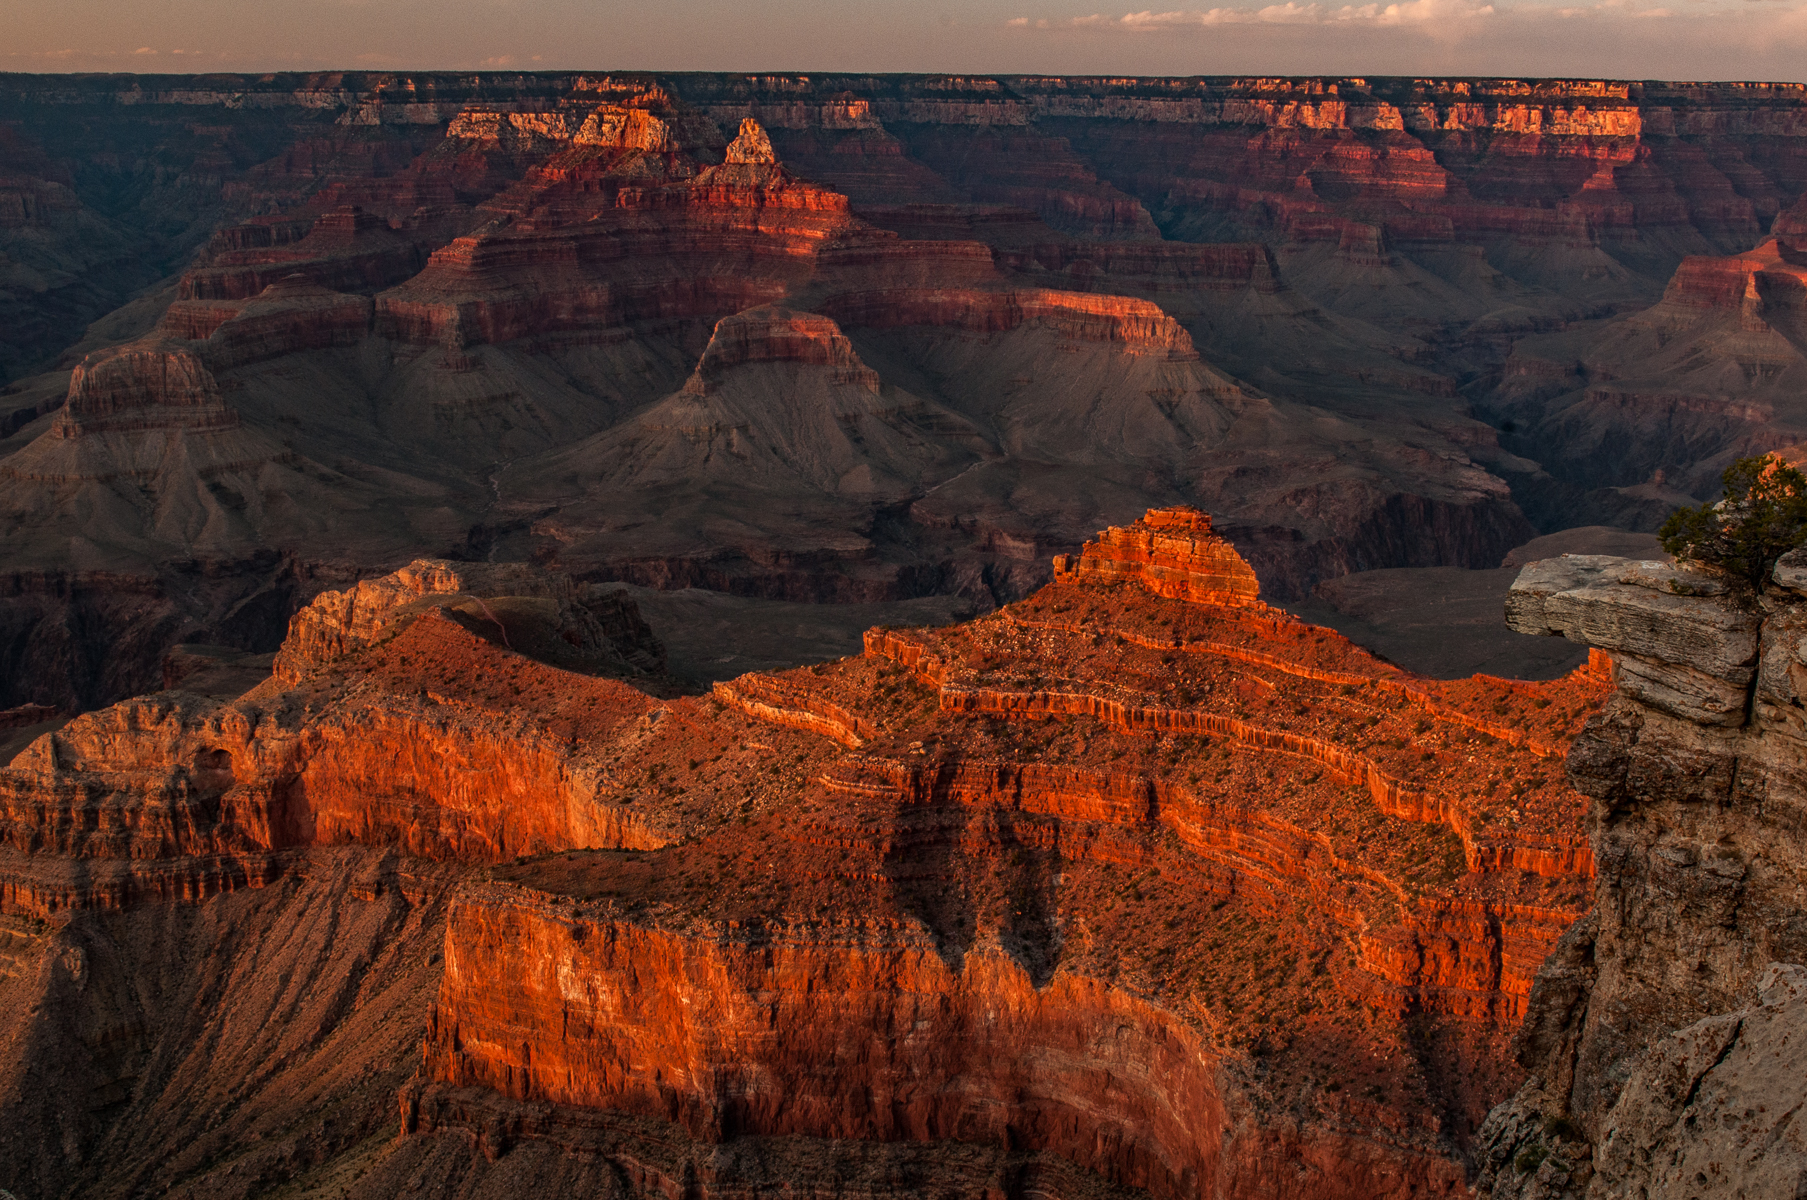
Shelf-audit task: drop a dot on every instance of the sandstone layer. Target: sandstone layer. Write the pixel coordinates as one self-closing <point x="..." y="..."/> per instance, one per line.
<point x="1111" y="892"/>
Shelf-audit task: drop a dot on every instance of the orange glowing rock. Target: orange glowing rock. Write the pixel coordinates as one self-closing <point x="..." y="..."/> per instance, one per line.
<point x="1170" y="552"/>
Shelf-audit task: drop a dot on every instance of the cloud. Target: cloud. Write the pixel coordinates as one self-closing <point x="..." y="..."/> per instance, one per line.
<point x="1615" y="39"/>
<point x="1446" y="20"/>
<point x="1425" y="13"/>
<point x="144" y="50"/>
<point x="1401" y="13"/>
<point x="1439" y="20"/>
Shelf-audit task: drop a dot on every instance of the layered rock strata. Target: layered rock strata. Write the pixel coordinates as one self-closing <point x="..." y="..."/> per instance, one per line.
<point x="1659" y="1030"/>
<point x="415" y="310"/>
<point x="347" y="250"/>
<point x="1223" y="893"/>
<point x="181" y="795"/>
<point x="1171" y="553"/>
<point x="1715" y="362"/>
<point x="287" y="317"/>
<point x="780" y="335"/>
<point x="967" y="763"/>
<point x="142" y="387"/>
<point x="337" y="624"/>
<point x="151" y="412"/>
<point x="1139" y="326"/>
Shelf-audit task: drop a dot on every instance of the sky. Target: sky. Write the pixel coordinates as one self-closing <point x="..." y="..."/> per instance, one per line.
<point x="1637" y="39"/>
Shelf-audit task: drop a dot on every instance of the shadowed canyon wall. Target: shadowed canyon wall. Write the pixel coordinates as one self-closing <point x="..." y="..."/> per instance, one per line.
<point x="851" y="339"/>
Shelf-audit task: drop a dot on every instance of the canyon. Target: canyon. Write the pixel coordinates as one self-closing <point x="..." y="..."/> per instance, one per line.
<point x="659" y="633"/>
<point x="846" y="340"/>
<point x="1135" y="886"/>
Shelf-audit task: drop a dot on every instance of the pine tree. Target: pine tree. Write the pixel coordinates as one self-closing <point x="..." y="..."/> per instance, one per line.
<point x="1762" y="517"/>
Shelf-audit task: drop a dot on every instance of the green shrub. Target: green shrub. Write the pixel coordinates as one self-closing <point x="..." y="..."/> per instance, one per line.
<point x="1530" y="1158"/>
<point x="1762" y="517"/>
<point x="1563" y="1127"/>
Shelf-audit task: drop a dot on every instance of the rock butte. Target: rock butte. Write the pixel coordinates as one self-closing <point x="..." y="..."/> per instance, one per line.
<point x="934" y="330"/>
<point x="1134" y="885"/>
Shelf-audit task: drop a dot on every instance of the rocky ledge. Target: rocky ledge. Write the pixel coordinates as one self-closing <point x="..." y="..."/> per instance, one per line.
<point x="1662" y="1033"/>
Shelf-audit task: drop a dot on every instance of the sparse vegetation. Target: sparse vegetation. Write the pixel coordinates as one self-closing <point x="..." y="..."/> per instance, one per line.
<point x="1762" y="516"/>
<point x="1530" y="1158"/>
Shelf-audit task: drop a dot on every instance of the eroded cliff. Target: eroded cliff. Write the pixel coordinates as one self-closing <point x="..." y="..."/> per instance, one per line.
<point x="997" y="857"/>
<point x="1132" y="885"/>
<point x="1661" y="1030"/>
<point x="1368" y="322"/>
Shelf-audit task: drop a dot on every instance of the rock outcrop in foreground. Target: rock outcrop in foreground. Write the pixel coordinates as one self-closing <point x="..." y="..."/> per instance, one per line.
<point x="1664" y="1034"/>
<point x="1137" y="885"/>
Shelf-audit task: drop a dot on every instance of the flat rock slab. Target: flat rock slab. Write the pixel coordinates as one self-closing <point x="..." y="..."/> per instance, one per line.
<point x="1580" y="597"/>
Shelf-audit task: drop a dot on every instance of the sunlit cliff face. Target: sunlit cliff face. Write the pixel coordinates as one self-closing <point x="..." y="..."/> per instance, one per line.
<point x="1139" y="877"/>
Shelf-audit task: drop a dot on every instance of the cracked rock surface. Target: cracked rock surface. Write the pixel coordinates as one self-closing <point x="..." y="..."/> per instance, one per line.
<point x="1665" y="1034"/>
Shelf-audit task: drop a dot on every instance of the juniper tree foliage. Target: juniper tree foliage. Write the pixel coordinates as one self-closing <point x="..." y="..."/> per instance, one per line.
<point x="1762" y="517"/>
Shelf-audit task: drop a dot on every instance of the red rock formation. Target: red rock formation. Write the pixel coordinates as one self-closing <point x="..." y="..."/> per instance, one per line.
<point x="738" y="253"/>
<point x="26" y="714"/>
<point x="881" y="810"/>
<point x="780" y="335"/>
<point x="1713" y="283"/>
<point x="1137" y="326"/>
<point x="150" y="411"/>
<point x="901" y="1047"/>
<point x="138" y="387"/>
<point x="1171" y="552"/>
<point x="1447" y="160"/>
<point x="287" y="317"/>
<point x="1394" y="784"/>
<point x="930" y="894"/>
<point x="179" y="778"/>
<point x="340" y="623"/>
<point x="751" y="146"/>
<point x="348" y="249"/>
